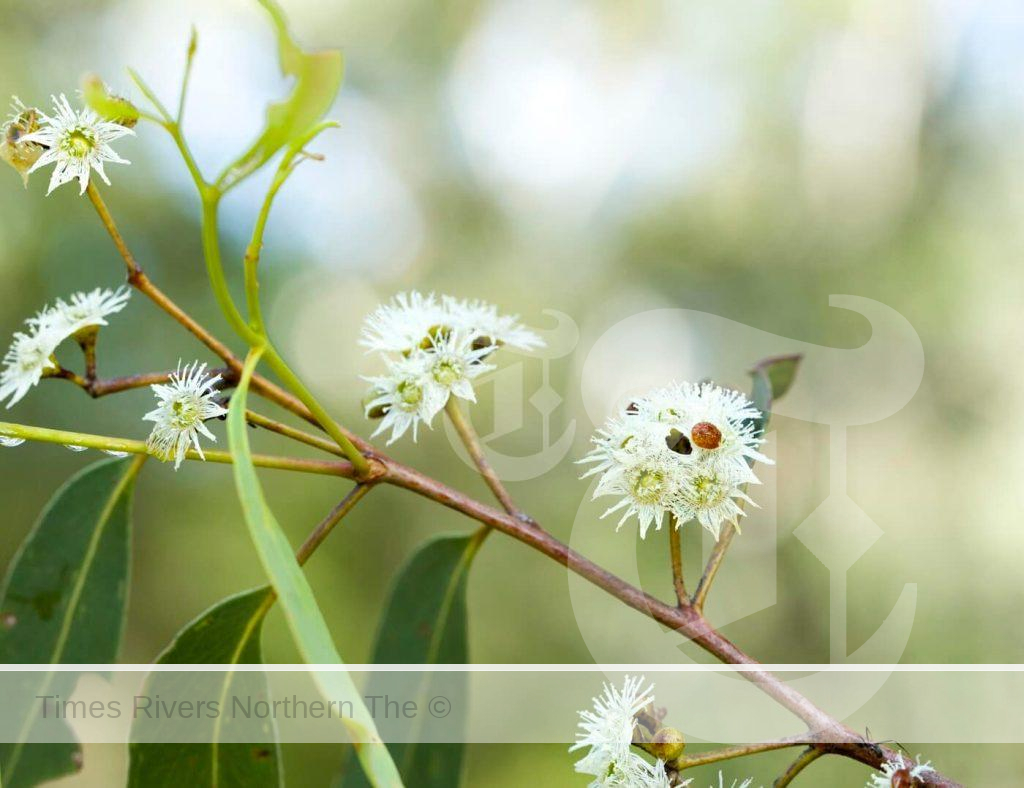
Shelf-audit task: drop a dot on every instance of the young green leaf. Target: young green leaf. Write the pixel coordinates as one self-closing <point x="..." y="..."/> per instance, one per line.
<point x="226" y="634"/>
<point x="64" y="601"/>
<point x="425" y="622"/>
<point x="773" y="377"/>
<point x="317" y="81"/>
<point x="296" y="597"/>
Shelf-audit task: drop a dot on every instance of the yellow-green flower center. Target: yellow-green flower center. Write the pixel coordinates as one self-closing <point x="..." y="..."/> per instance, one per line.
<point x="648" y="484"/>
<point x="447" y="371"/>
<point x="410" y="394"/>
<point x="709" y="490"/>
<point x="78" y="142"/>
<point x="185" y="413"/>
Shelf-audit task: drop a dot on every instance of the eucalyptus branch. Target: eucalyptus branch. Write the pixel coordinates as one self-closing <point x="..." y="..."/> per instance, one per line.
<point x="128" y="446"/>
<point x="324" y="528"/>
<point x="471" y="441"/>
<point x="803" y="760"/>
<point x="714" y="563"/>
<point x="737" y="751"/>
<point x="303" y="405"/>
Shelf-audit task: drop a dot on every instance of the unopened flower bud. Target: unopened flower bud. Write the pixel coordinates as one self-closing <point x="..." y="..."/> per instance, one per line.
<point x="667" y="745"/>
<point x="903" y="779"/>
<point x="706" y="435"/>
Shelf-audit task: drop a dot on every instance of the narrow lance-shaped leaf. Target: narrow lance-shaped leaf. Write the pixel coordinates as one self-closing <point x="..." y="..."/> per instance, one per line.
<point x="317" y="80"/>
<point x="296" y="597"/>
<point x="425" y="622"/>
<point x="227" y="634"/>
<point x="64" y="601"/>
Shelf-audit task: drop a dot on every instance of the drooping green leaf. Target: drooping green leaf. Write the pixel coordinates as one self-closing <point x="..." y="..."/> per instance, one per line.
<point x="317" y="81"/>
<point x="226" y="634"/>
<point x="64" y="601"/>
<point x="425" y="622"/>
<point x="772" y="378"/>
<point x="295" y="595"/>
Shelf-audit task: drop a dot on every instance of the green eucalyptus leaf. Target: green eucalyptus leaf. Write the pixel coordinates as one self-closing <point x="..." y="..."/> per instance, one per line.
<point x="317" y="81"/>
<point x="295" y="595"/>
<point x="425" y="622"/>
<point x="772" y="379"/>
<point x="64" y="601"/>
<point x="226" y="634"/>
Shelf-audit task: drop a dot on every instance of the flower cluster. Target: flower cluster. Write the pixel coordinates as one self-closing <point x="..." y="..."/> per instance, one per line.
<point x="432" y="349"/>
<point x="608" y="731"/>
<point x="685" y="449"/>
<point x="185" y="403"/>
<point x="76" y="142"/>
<point x="900" y="772"/>
<point x="30" y="356"/>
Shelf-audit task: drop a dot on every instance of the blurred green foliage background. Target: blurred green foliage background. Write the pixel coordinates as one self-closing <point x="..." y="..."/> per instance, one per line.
<point x="746" y="159"/>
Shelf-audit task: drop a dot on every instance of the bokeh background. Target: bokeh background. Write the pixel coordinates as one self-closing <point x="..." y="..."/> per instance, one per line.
<point x="744" y="158"/>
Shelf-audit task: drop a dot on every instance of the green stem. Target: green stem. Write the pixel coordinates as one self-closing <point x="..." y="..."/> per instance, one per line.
<point x="738" y="751"/>
<point x="104" y="443"/>
<point x="805" y="759"/>
<point x="252" y="252"/>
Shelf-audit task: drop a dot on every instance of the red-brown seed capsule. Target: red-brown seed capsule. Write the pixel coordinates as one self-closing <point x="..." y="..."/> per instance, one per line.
<point x="706" y="435"/>
<point x="902" y="779"/>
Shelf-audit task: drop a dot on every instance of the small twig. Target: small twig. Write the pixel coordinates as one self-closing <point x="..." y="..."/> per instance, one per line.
<point x="271" y="425"/>
<point x="101" y="387"/>
<point x="471" y="441"/>
<point x="189" y="57"/>
<point x="805" y="759"/>
<point x="324" y="528"/>
<point x="676" y="552"/>
<point x="738" y="751"/>
<point x="105" y="443"/>
<point x="714" y="563"/>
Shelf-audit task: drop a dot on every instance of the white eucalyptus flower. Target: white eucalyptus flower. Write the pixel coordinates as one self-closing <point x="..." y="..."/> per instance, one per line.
<point x="399" y="397"/>
<point x="684" y="450"/>
<point x="607" y="732"/>
<point x="451" y="362"/>
<point x="91" y="309"/>
<point x="76" y="143"/>
<point x="9" y="442"/>
<point x="482" y="320"/>
<point x="28" y="359"/>
<point x="910" y="772"/>
<point x="185" y="403"/>
<point x="403" y="325"/>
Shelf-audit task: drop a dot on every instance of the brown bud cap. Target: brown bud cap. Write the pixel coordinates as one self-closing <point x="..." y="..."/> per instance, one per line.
<point x="706" y="435"/>
<point x="667" y="745"/>
<point x="902" y="779"/>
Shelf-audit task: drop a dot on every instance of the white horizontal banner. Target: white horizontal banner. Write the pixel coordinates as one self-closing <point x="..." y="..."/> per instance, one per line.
<point x="495" y="703"/>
